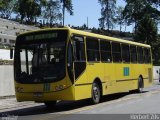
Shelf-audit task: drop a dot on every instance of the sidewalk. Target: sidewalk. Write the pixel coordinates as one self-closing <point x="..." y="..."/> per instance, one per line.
<point x="11" y="103"/>
<point x="7" y="97"/>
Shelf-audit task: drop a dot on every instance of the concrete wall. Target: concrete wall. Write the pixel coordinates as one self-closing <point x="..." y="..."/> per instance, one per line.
<point x="156" y="72"/>
<point x="5" y="54"/>
<point x="6" y="80"/>
<point x="7" y="39"/>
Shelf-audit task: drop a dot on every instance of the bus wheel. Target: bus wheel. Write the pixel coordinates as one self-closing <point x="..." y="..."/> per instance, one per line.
<point x="140" y="85"/>
<point x="96" y="93"/>
<point x="50" y="104"/>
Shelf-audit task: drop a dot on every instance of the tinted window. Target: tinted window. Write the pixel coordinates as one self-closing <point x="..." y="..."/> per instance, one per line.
<point x="79" y="48"/>
<point x="147" y="55"/>
<point x="79" y="56"/>
<point x="133" y="52"/>
<point x="70" y="61"/>
<point x="116" y="52"/>
<point x="140" y="55"/>
<point x="92" y="49"/>
<point x="40" y="55"/>
<point x="125" y="53"/>
<point x="105" y="51"/>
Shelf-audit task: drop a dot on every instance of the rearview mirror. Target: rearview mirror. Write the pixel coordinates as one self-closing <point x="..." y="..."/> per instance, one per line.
<point x="11" y="53"/>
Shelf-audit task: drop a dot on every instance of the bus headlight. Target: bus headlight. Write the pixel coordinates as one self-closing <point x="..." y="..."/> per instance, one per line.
<point x="60" y="87"/>
<point x="19" y="89"/>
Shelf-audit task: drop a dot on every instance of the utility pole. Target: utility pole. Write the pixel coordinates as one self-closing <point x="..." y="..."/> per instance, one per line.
<point x="87" y="21"/>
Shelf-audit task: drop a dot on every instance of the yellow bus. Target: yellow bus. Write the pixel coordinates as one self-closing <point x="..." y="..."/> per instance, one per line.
<point x="67" y="64"/>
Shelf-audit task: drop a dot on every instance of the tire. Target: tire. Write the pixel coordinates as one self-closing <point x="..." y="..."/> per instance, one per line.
<point x="140" y="85"/>
<point x="50" y="104"/>
<point x="96" y="93"/>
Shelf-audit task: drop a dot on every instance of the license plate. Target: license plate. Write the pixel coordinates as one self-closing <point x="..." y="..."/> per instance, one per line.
<point x="38" y="94"/>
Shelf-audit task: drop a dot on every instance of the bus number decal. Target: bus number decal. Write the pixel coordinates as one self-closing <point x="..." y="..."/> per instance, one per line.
<point x="126" y="71"/>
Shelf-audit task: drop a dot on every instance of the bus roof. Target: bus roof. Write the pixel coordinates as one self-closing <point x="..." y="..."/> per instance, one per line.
<point x="85" y="33"/>
<point x="108" y="38"/>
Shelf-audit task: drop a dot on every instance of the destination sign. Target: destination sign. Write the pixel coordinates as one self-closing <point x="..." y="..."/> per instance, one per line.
<point x="41" y="36"/>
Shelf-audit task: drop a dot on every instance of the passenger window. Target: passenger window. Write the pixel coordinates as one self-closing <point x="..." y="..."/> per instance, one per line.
<point x="125" y="53"/>
<point x="116" y="52"/>
<point x="92" y="49"/>
<point x="79" y="48"/>
<point x="105" y="51"/>
<point x="140" y="55"/>
<point x="133" y="52"/>
<point x="147" y="56"/>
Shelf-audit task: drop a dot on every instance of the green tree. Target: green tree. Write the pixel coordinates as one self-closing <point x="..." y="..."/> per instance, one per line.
<point x="119" y="17"/>
<point x="66" y="4"/>
<point x="156" y="3"/>
<point x="107" y="13"/>
<point x="156" y="52"/>
<point x="29" y="9"/>
<point x="147" y="30"/>
<point x="147" y="33"/>
<point x="52" y="11"/>
<point x="135" y="10"/>
<point x="6" y="8"/>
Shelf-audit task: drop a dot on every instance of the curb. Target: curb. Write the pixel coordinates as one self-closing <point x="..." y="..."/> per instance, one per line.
<point x="6" y="97"/>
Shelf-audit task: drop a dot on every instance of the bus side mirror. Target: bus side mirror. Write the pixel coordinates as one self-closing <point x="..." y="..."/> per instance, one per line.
<point x="157" y="71"/>
<point x="11" y="53"/>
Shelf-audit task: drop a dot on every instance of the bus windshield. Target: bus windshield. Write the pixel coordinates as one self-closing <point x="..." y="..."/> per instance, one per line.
<point x="40" y="62"/>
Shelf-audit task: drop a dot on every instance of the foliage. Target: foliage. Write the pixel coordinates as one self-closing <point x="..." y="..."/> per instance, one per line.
<point x="29" y="9"/>
<point x="135" y="10"/>
<point x="119" y="17"/>
<point x="6" y="62"/>
<point x="107" y="13"/>
<point x="146" y="31"/>
<point x="52" y="11"/>
<point x="156" y="52"/>
<point x="6" y="8"/>
<point x="155" y="3"/>
<point x="67" y="4"/>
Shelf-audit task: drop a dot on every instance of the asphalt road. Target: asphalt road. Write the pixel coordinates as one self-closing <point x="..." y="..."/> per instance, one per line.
<point x="147" y="102"/>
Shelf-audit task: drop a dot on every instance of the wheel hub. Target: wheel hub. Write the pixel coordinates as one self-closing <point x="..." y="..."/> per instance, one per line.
<point x="96" y="94"/>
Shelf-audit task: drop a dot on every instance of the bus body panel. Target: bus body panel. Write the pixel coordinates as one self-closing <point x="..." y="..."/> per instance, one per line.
<point x="45" y="91"/>
<point x="83" y="91"/>
<point x="109" y="78"/>
<point x="82" y="88"/>
<point x="113" y="80"/>
<point x="67" y="94"/>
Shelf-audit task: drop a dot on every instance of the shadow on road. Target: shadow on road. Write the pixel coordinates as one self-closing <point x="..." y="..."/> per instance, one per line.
<point x="61" y="106"/>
